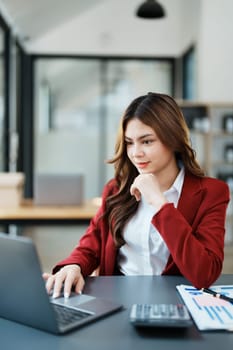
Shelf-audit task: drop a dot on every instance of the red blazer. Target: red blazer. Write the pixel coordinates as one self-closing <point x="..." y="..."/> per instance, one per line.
<point x="194" y="234"/>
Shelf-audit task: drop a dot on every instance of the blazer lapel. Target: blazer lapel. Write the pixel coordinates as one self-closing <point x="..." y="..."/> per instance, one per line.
<point x="191" y="197"/>
<point x="189" y="203"/>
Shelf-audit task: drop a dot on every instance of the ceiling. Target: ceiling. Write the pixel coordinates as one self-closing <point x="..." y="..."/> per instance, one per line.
<point x="91" y="26"/>
<point x="100" y="27"/>
<point x="33" y="18"/>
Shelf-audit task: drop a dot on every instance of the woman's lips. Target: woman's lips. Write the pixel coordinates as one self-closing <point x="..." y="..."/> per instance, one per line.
<point x="142" y="165"/>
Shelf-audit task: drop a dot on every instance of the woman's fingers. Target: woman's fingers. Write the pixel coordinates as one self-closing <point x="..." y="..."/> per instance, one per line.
<point x="49" y="278"/>
<point x="135" y="192"/>
<point x="73" y="278"/>
<point x="79" y="285"/>
<point x="68" y="277"/>
<point x="46" y="275"/>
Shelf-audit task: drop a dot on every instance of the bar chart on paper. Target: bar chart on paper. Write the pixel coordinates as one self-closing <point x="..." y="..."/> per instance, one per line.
<point x="208" y="312"/>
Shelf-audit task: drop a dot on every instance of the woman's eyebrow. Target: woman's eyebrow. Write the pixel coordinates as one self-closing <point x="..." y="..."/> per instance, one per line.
<point x="140" y="137"/>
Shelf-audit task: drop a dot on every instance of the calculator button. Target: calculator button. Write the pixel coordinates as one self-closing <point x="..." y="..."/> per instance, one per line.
<point x="160" y="315"/>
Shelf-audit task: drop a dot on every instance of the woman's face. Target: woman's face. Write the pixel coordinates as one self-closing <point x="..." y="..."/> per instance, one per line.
<point x="146" y="151"/>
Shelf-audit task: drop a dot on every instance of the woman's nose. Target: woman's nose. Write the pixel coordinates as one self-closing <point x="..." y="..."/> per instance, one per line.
<point x="137" y="150"/>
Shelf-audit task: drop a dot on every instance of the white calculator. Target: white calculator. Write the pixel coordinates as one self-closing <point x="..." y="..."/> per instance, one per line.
<point x="160" y="315"/>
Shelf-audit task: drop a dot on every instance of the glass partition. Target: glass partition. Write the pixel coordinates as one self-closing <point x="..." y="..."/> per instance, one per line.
<point x="125" y="81"/>
<point x="78" y="105"/>
<point x="67" y="123"/>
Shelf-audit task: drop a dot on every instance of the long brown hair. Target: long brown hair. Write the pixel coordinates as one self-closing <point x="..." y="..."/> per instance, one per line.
<point x="162" y="114"/>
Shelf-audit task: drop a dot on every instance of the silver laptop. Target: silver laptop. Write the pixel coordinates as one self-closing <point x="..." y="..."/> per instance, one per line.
<point x="23" y="297"/>
<point x="58" y="189"/>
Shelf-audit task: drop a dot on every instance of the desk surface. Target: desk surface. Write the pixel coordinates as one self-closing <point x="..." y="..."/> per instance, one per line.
<point x="29" y="213"/>
<point x="114" y="332"/>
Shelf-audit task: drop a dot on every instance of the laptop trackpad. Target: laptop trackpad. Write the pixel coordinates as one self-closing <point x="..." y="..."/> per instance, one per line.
<point x="73" y="300"/>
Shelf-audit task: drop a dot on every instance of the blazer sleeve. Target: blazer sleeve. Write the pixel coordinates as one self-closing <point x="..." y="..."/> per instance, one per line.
<point x="196" y="245"/>
<point x="87" y="253"/>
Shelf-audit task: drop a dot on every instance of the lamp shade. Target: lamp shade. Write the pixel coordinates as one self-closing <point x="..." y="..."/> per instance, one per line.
<point x="150" y="9"/>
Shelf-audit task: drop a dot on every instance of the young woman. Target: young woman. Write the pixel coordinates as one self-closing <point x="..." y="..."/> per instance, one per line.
<point x="159" y="215"/>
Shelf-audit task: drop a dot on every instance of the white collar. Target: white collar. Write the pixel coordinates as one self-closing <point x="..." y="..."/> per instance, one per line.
<point x="178" y="183"/>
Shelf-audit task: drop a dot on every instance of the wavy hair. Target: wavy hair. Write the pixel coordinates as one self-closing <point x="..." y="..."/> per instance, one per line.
<point x="163" y="115"/>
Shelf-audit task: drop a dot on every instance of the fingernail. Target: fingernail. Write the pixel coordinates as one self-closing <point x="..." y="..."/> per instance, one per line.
<point x="80" y="292"/>
<point x="55" y="295"/>
<point x="66" y="295"/>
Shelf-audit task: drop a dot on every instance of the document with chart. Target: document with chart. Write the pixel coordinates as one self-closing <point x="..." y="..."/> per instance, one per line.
<point x="207" y="311"/>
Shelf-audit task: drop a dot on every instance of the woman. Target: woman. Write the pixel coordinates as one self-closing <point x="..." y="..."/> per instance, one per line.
<point x="160" y="214"/>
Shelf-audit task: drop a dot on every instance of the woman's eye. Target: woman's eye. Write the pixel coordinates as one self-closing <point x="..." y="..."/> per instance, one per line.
<point x="147" y="142"/>
<point x="128" y="143"/>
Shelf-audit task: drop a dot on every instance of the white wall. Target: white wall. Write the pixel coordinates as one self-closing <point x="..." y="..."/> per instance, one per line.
<point x="190" y="23"/>
<point x="215" y="51"/>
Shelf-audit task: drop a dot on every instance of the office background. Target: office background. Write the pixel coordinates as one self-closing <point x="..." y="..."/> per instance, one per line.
<point x="69" y="69"/>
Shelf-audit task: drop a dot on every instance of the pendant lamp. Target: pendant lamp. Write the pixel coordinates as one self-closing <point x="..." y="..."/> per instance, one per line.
<point x="150" y="9"/>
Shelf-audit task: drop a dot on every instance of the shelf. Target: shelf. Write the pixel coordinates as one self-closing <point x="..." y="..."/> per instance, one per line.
<point x="220" y="133"/>
<point x="209" y="140"/>
<point x="222" y="162"/>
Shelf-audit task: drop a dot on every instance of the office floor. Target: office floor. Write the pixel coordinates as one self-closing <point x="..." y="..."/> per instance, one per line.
<point x="55" y="243"/>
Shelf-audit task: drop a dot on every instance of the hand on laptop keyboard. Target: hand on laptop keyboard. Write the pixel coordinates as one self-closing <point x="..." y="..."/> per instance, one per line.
<point x="66" y="278"/>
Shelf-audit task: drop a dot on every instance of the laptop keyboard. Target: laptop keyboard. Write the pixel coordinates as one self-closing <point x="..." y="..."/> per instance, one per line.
<point x="66" y="316"/>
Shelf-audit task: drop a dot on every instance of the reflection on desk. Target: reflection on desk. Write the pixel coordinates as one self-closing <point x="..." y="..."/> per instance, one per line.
<point x="27" y="213"/>
<point x="115" y="332"/>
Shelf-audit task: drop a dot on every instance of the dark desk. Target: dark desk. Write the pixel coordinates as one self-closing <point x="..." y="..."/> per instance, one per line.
<point x="114" y="332"/>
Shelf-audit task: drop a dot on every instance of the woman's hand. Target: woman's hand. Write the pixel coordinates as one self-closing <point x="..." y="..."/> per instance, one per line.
<point x="69" y="276"/>
<point x="148" y="186"/>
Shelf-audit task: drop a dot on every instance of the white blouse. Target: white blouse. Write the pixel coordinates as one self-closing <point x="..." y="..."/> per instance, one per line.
<point x="145" y="252"/>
